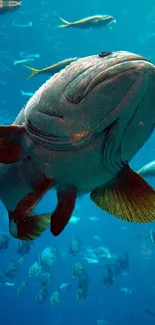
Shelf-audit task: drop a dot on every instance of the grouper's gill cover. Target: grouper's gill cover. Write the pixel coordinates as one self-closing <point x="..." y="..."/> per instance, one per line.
<point x="77" y="134"/>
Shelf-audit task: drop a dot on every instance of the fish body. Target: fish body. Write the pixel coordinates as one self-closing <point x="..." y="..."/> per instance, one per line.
<point x="74" y="130"/>
<point x="148" y="170"/>
<point x="9" y="284"/>
<point x="4" y="242"/>
<point x="77" y="135"/>
<point x="29" y="56"/>
<point x="26" y="25"/>
<point x="26" y="93"/>
<point x="74" y="219"/>
<point x="6" y="6"/>
<point x="23" y="248"/>
<point x="90" y="22"/>
<point x="50" y="70"/>
<point x="15" y="62"/>
<point x="152" y="236"/>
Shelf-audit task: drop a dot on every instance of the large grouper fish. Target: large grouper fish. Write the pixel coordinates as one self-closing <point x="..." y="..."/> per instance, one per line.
<point x="77" y="134"/>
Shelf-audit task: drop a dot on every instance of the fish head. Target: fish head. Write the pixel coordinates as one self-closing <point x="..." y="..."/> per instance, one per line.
<point x="110" y="95"/>
<point x="14" y="4"/>
<point x="106" y="19"/>
<point x="11" y="4"/>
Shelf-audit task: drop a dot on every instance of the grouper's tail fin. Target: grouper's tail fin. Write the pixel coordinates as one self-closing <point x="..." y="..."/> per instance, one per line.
<point x="34" y="72"/>
<point x="66" y="23"/>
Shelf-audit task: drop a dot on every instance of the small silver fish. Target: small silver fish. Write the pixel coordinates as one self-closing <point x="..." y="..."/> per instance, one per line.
<point x="15" y="62"/>
<point x="25" y="93"/>
<point x="28" y="24"/>
<point x="9" y="284"/>
<point x="90" y="22"/>
<point x="24" y="55"/>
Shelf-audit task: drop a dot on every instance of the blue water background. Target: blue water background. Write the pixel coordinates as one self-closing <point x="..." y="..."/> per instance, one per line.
<point x="133" y="32"/>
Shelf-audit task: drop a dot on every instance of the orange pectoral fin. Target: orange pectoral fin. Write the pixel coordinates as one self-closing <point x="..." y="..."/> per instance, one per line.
<point x="63" y="211"/>
<point x="130" y="198"/>
<point x="10" y="143"/>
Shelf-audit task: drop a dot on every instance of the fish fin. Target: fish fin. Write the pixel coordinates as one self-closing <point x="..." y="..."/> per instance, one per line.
<point x="10" y="143"/>
<point x="66" y="23"/>
<point x="60" y="217"/>
<point x="34" y="72"/>
<point x="129" y="198"/>
<point x="28" y="227"/>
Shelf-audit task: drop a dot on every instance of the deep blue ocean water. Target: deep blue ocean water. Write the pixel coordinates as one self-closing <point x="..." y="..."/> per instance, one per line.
<point x="134" y="31"/>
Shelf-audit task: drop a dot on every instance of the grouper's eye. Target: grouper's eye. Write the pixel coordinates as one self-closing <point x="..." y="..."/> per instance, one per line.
<point x="103" y="54"/>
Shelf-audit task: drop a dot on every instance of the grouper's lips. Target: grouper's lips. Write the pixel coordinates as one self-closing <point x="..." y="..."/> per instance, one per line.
<point x="58" y="143"/>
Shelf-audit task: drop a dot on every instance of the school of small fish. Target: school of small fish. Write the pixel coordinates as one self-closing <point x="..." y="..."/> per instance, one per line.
<point x="43" y="268"/>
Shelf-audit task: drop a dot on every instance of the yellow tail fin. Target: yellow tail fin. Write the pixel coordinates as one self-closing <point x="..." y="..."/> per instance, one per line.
<point x="66" y="23"/>
<point x="34" y="72"/>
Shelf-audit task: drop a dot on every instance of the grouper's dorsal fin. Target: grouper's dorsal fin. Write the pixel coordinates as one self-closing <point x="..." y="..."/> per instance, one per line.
<point x="129" y="198"/>
<point x="10" y="143"/>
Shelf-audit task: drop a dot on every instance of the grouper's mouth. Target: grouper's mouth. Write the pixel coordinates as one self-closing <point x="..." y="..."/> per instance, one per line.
<point x="59" y="143"/>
